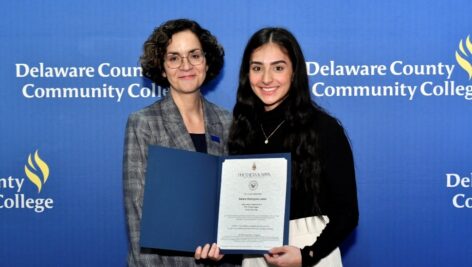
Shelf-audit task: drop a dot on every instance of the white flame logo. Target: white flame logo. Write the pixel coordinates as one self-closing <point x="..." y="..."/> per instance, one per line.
<point x="32" y="172"/>
<point x="464" y="54"/>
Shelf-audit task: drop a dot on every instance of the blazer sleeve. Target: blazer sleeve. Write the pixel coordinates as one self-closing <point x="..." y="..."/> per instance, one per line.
<point x="137" y="137"/>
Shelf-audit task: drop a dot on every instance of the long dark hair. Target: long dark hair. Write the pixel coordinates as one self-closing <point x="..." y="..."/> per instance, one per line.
<point x="300" y="113"/>
<point x="155" y="48"/>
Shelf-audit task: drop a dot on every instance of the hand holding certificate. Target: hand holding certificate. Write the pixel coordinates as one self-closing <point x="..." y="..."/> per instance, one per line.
<point x="247" y="200"/>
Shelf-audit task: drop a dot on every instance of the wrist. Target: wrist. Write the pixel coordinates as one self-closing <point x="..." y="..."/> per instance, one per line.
<point x="308" y="256"/>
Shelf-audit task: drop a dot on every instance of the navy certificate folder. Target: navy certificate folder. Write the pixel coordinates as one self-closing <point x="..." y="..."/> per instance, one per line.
<point x="181" y="199"/>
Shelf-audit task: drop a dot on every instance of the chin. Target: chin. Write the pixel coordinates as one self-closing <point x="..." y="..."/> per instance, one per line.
<point x="269" y="102"/>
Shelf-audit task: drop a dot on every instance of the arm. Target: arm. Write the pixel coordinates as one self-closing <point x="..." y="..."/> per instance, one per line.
<point x="134" y="166"/>
<point x="338" y="194"/>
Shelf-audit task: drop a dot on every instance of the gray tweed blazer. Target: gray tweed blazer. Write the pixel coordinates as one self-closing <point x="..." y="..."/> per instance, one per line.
<point x="161" y="124"/>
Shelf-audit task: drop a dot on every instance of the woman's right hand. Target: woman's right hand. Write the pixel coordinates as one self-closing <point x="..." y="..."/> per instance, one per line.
<point x="208" y="252"/>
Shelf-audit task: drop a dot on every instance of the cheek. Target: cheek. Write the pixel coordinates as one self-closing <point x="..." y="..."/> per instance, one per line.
<point x="202" y="70"/>
<point x="286" y="80"/>
<point x="253" y="79"/>
<point x="166" y="72"/>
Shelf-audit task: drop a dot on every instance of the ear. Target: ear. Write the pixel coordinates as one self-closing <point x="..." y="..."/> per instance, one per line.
<point x="164" y="74"/>
<point x="206" y="68"/>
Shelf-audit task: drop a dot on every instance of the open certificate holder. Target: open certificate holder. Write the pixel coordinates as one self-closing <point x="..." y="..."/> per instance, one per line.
<point x="191" y="199"/>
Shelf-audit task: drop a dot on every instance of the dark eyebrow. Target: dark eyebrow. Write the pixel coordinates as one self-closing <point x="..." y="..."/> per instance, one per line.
<point x="190" y="51"/>
<point x="255" y="62"/>
<point x="272" y="63"/>
<point x="278" y="62"/>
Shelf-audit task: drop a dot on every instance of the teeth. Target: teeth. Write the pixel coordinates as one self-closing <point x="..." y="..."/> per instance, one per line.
<point x="268" y="89"/>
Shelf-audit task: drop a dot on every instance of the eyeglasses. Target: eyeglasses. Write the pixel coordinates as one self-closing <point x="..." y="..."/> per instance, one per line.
<point x="174" y="61"/>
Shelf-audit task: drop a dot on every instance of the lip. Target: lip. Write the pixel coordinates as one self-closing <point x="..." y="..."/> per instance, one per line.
<point x="268" y="90"/>
<point x="187" y="77"/>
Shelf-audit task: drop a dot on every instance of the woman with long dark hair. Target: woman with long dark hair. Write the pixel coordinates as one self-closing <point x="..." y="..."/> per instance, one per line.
<point x="274" y="113"/>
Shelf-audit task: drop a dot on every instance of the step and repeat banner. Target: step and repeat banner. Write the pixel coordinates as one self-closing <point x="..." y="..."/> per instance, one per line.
<point x="398" y="75"/>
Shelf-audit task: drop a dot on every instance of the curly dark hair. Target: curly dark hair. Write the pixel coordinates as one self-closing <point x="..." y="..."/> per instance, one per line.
<point x="155" y="48"/>
<point x="301" y="112"/>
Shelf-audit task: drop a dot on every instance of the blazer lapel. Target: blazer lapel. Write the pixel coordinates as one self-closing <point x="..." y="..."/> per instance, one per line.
<point x="214" y="130"/>
<point x="175" y="126"/>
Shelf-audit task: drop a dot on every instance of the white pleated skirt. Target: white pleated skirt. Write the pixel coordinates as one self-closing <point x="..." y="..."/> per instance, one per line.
<point x="302" y="232"/>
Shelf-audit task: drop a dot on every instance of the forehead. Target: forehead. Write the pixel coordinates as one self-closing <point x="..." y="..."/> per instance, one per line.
<point x="270" y="52"/>
<point x="183" y="42"/>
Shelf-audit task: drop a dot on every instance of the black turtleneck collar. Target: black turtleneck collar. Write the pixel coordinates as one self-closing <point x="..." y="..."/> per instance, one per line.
<point x="275" y="115"/>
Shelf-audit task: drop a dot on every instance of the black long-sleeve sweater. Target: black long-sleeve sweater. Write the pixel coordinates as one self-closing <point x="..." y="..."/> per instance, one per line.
<point x="338" y="196"/>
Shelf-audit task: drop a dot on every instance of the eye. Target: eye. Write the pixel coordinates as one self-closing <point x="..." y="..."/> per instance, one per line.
<point x="279" y="68"/>
<point x="172" y="58"/>
<point x="196" y="55"/>
<point x="256" y="68"/>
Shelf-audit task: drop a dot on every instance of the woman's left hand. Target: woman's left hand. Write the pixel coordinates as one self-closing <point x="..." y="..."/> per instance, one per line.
<point x="208" y="251"/>
<point x="286" y="256"/>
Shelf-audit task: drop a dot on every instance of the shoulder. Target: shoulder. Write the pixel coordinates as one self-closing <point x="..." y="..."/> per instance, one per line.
<point x="331" y="132"/>
<point x="151" y="112"/>
<point x="328" y="124"/>
<point x="217" y="112"/>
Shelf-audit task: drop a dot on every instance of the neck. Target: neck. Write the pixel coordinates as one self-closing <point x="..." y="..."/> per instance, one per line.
<point x="191" y="109"/>
<point x="187" y="103"/>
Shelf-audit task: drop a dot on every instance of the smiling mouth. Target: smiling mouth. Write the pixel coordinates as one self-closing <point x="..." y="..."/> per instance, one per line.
<point x="186" y="77"/>
<point x="269" y="89"/>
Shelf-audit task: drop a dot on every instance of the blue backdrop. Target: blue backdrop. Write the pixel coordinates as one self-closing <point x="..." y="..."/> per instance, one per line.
<point x="396" y="73"/>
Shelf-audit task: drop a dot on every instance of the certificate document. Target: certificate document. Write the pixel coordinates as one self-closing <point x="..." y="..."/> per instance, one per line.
<point x="252" y="204"/>
<point x="240" y="202"/>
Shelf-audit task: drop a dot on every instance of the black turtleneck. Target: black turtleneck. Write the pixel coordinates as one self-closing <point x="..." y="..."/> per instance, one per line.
<point x="271" y="122"/>
<point x="338" y="196"/>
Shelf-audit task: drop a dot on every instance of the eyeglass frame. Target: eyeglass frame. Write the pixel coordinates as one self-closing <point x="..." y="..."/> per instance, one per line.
<point x="182" y="58"/>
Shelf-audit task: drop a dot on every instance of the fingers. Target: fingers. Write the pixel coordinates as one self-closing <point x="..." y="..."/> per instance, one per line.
<point x="273" y="256"/>
<point x="278" y="250"/>
<point x="214" y="253"/>
<point x="272" y="259"/>
<point x="284" y="256"/>
<point x="201" y="253"/>
<point x="208" y="252"/>
<point x="205" y="251"/>
<point x="198" y="253"/>
<point x="218" y="256"/>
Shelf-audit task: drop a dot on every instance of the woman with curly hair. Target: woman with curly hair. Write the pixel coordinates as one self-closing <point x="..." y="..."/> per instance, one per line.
<point x="182" y="56"/>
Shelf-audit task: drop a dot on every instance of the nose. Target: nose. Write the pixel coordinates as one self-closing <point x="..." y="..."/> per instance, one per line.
<point x="185" y="64"/>
<point x="266" y="77"/>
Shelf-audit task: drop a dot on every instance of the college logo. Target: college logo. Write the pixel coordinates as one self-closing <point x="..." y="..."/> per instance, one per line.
<point x="37" y="170"/>
<point x="13" y="195"/>
<point x="463" y="57"/>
